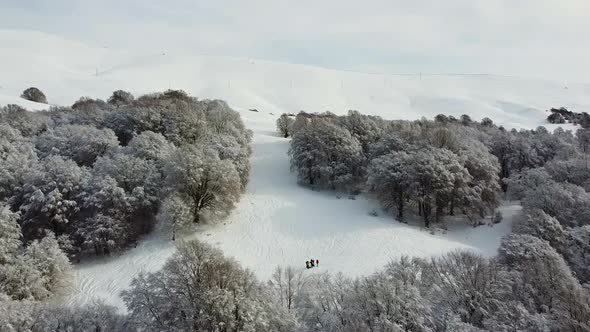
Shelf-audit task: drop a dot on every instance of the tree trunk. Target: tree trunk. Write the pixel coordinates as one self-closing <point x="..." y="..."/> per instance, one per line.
<point x="196" y="218"/>
<point x="426" y="213"/>
<point x="400" y="206"/>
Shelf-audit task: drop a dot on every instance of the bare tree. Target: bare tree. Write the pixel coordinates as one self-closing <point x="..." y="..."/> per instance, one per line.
<point x="287" y="284"/>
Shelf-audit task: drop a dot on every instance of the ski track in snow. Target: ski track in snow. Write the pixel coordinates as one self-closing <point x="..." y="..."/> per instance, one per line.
<point x="278" y="222"/>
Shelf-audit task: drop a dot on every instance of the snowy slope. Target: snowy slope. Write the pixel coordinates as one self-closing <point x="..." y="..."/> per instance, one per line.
<point x="66" y="70"/>
<point x="278" y="222"/>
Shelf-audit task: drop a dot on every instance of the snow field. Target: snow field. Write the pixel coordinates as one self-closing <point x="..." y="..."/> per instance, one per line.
<point x="278" y="222"/>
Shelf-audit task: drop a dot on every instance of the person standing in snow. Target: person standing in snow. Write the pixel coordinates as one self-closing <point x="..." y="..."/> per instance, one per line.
<point x="317" y="262"/>
<point x="307" y="264"/>
<point x="312" y="264"/>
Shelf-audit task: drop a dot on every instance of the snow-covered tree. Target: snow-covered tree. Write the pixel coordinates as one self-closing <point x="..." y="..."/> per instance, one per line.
<point x="284" y="124"/>
<point x="175" y="214"/>
<point x="287" y="284"/>
<point x="83" y="144"/>
<point x="10" y="235"/>
<point x="17" y="157"/>
<point x="326" y="156"/>
<point x="520" y="183"/>
<point x="50" y="261"/>
<point x="133" y="174"/>
<point x="16" y="316"/>
<point x="366" y="129"/>
<point x="206" y="182"/>
<point x="462" y="284"/>
<point x="539" y="224"/>
<point x="51" y="196"/>
<point x="583" y="137"/>
<point x="103" y="234"/>
<point x="27" y="123"/>
<point x="120" y="97"/>
<point x="577" y="252"/>
<point x="34" y="94"/>
<point x="566" y="202"/>
<point x="545" y="283"/>
<point x="438" y="172"/>
<point x="22" y="280"/>
<point x="229" y="148"/>
<point x="392" y="177"/>
<point x="150" y="146"/>
<point x="200" y="290"/>
<point x="573" y="170"/>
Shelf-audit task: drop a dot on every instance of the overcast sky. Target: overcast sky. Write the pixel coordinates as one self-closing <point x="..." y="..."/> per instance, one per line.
<point x="536" y="38"/>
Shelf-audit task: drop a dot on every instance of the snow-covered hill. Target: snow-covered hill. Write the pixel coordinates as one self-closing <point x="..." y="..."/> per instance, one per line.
<point x="278" y="222"/>
<point x="66" y="70"/>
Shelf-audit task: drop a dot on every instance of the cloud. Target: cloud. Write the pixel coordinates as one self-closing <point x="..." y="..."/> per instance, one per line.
<point x="541" y="38"/>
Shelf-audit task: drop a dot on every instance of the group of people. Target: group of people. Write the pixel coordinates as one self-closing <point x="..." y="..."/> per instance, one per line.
<point x="311" y="263"/>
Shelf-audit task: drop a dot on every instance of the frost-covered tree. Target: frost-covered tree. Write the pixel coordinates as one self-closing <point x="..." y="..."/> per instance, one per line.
<point x="463" y="284"/>
<point x="103" y="234"/>
<point x="583" y="137"/>
<point x="287" y="284"/>
<point x="17" y="157"/>
<point x="577" y="252"/>
<point x="386" y="301"/>
<point x="51" y="196"/>
<point x="21" y="280"/>
<point x="95" y="174"/>
<point x="34" y="94"/>
<point x="150" y="146"/>
<point x="130" y="120"/>
<point x="390" y="142"/>
<point x="48" y="258"/>
<point x="35" y="272"/>
<point x="392" y="177"/>
<point x="104" y="195"/>
<point x="566" y="202"/>
<point x="83" y="144"/>
<point x="120" y="97"/>
<point x="284" y="124"/>
<point x="175" y="214"/>
<point x="520" y="183"/>
<point x="539" y="224"/>
<point x="206" y="182"/>
<point x="545" y="283"/>
<point x="139" y="178"/>
<point x="200" y="290"/>
<point x="326" y="156"/>
<point x="574" y="170"/>
<point x="229" y="148"/>
<point x="366" y="129"/>
<point x="27" y="123"/>
<point x="10" y="235"/>
<point x="438" y="172"/>
<point x="33" y="316"/>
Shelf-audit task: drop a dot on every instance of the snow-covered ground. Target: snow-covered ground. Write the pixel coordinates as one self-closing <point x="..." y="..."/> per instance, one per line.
<point x="277" y="222"/>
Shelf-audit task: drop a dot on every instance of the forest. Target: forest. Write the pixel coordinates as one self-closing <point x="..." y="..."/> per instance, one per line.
<point x="92" y="178"/>
<point x="431" y="169"/>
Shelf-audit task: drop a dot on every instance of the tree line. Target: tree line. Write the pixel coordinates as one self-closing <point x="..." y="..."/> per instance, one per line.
<point x="90" y="179"/>
<point x="433" y="168"/>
